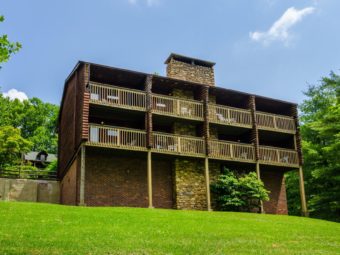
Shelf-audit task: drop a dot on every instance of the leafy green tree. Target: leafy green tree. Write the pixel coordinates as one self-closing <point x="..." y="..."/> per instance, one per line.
<point x="244" y="193"/>
<point x="53" y="166"/>
<point x="37" y="121"/>
<point x="12" y="144"/>
<point x="7" y="48"/>
<point x="320" y="130"/>
<point x="38" y="124"/>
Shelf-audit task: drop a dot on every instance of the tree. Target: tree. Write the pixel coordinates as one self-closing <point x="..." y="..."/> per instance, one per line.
<point x="38" y="124"/>
<point x="242" y="193"/>
<point x="320" y="130"/>
<point x="37" y="121"/>
<point x="12" y="144"/>
<point x="7" y="48"/>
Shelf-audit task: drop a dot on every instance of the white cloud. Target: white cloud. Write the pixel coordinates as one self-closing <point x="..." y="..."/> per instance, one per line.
<point x="151" y="2"/>
<point x="279" y="31"/>
<point x="147" y="2"/>
<point x="15" y="94"/>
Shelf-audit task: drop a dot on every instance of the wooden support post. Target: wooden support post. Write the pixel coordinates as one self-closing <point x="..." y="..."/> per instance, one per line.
<point x="259" y="177"/>
<point x="82" y="177"/>
<point x="295" y="144"/>
<point x="177" y="105"/>
<point x="149" y="163"/>
<point x="304" y="210"/>
<point x="207" y="181"/>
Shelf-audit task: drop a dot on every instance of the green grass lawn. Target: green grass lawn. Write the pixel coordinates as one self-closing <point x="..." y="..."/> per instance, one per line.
<point x="29" y="228"/>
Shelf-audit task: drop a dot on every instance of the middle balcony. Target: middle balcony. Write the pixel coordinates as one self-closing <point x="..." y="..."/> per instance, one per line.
<point x="226" y="115"/>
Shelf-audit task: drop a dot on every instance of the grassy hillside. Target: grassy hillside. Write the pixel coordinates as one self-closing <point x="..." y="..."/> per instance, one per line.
<point x="27" y="228"/>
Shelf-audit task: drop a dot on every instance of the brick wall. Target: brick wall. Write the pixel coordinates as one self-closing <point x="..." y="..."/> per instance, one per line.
<point x="275" y="183"/>
<point x="68" y="186"/>
<point x="162" y="184"/>
<point x="67" y="126"/>
<point x="112" y="180"/>
<point x="188" y="72"/>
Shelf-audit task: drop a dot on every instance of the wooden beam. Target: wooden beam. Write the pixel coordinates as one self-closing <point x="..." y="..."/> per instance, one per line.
<point x="148" y="114"/>
<point x="304" y="210"/>
<point x="207" y="181"/>
<point x="82" y="177"/>
<point x="149" y="166"/>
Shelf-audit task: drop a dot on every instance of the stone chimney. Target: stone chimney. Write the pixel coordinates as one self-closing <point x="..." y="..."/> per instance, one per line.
<point x="190" y="69"/>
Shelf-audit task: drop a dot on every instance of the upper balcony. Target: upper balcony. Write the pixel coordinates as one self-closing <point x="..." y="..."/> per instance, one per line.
<point x="275" y="122"/>
<point x="117" y="97"/>
<point x="133" y="99"/>
<point x="136" y="100"/>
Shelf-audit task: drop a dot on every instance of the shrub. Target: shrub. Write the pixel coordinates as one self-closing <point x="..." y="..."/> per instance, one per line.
<point x="239" y="193"/>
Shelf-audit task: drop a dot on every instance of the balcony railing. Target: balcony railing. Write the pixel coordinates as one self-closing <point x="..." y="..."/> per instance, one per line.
<point x="232" y="151"/>
<point x="229" y="115"/>
<point x="124" y="138"/>
<point x="174" y="144"/>
<point x="278" y="156"/>
<point x="117" y="137"/>
<point x="117" y="97"/>
<point x="183" y="108"/>
<point x="275" y="122"/>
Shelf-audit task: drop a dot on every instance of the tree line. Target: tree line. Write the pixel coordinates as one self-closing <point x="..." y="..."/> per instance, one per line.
<point x="25" y="126"/>
<point x="320" y="131"/>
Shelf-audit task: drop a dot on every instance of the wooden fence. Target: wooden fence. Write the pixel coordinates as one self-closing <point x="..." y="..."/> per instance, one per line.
<point x="37" y="174"/>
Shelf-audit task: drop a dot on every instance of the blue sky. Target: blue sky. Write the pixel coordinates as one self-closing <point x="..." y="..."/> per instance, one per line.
<point x="273" y="48"/>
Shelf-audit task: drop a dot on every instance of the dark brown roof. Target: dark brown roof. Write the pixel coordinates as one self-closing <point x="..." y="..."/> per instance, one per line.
<point x="189" y="60"/>
<point x="177" y="81"/>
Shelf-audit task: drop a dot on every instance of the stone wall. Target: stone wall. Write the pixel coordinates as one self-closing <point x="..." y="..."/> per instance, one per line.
<point x="189" y="184"/>
<point x="189" y="178"/>
<point x="214" y="172"/>
<point x="29" y="190"/>
<point x="189" y="72"/>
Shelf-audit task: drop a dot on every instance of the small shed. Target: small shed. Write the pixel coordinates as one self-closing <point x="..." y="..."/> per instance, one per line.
<point x="39" y="158"/>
